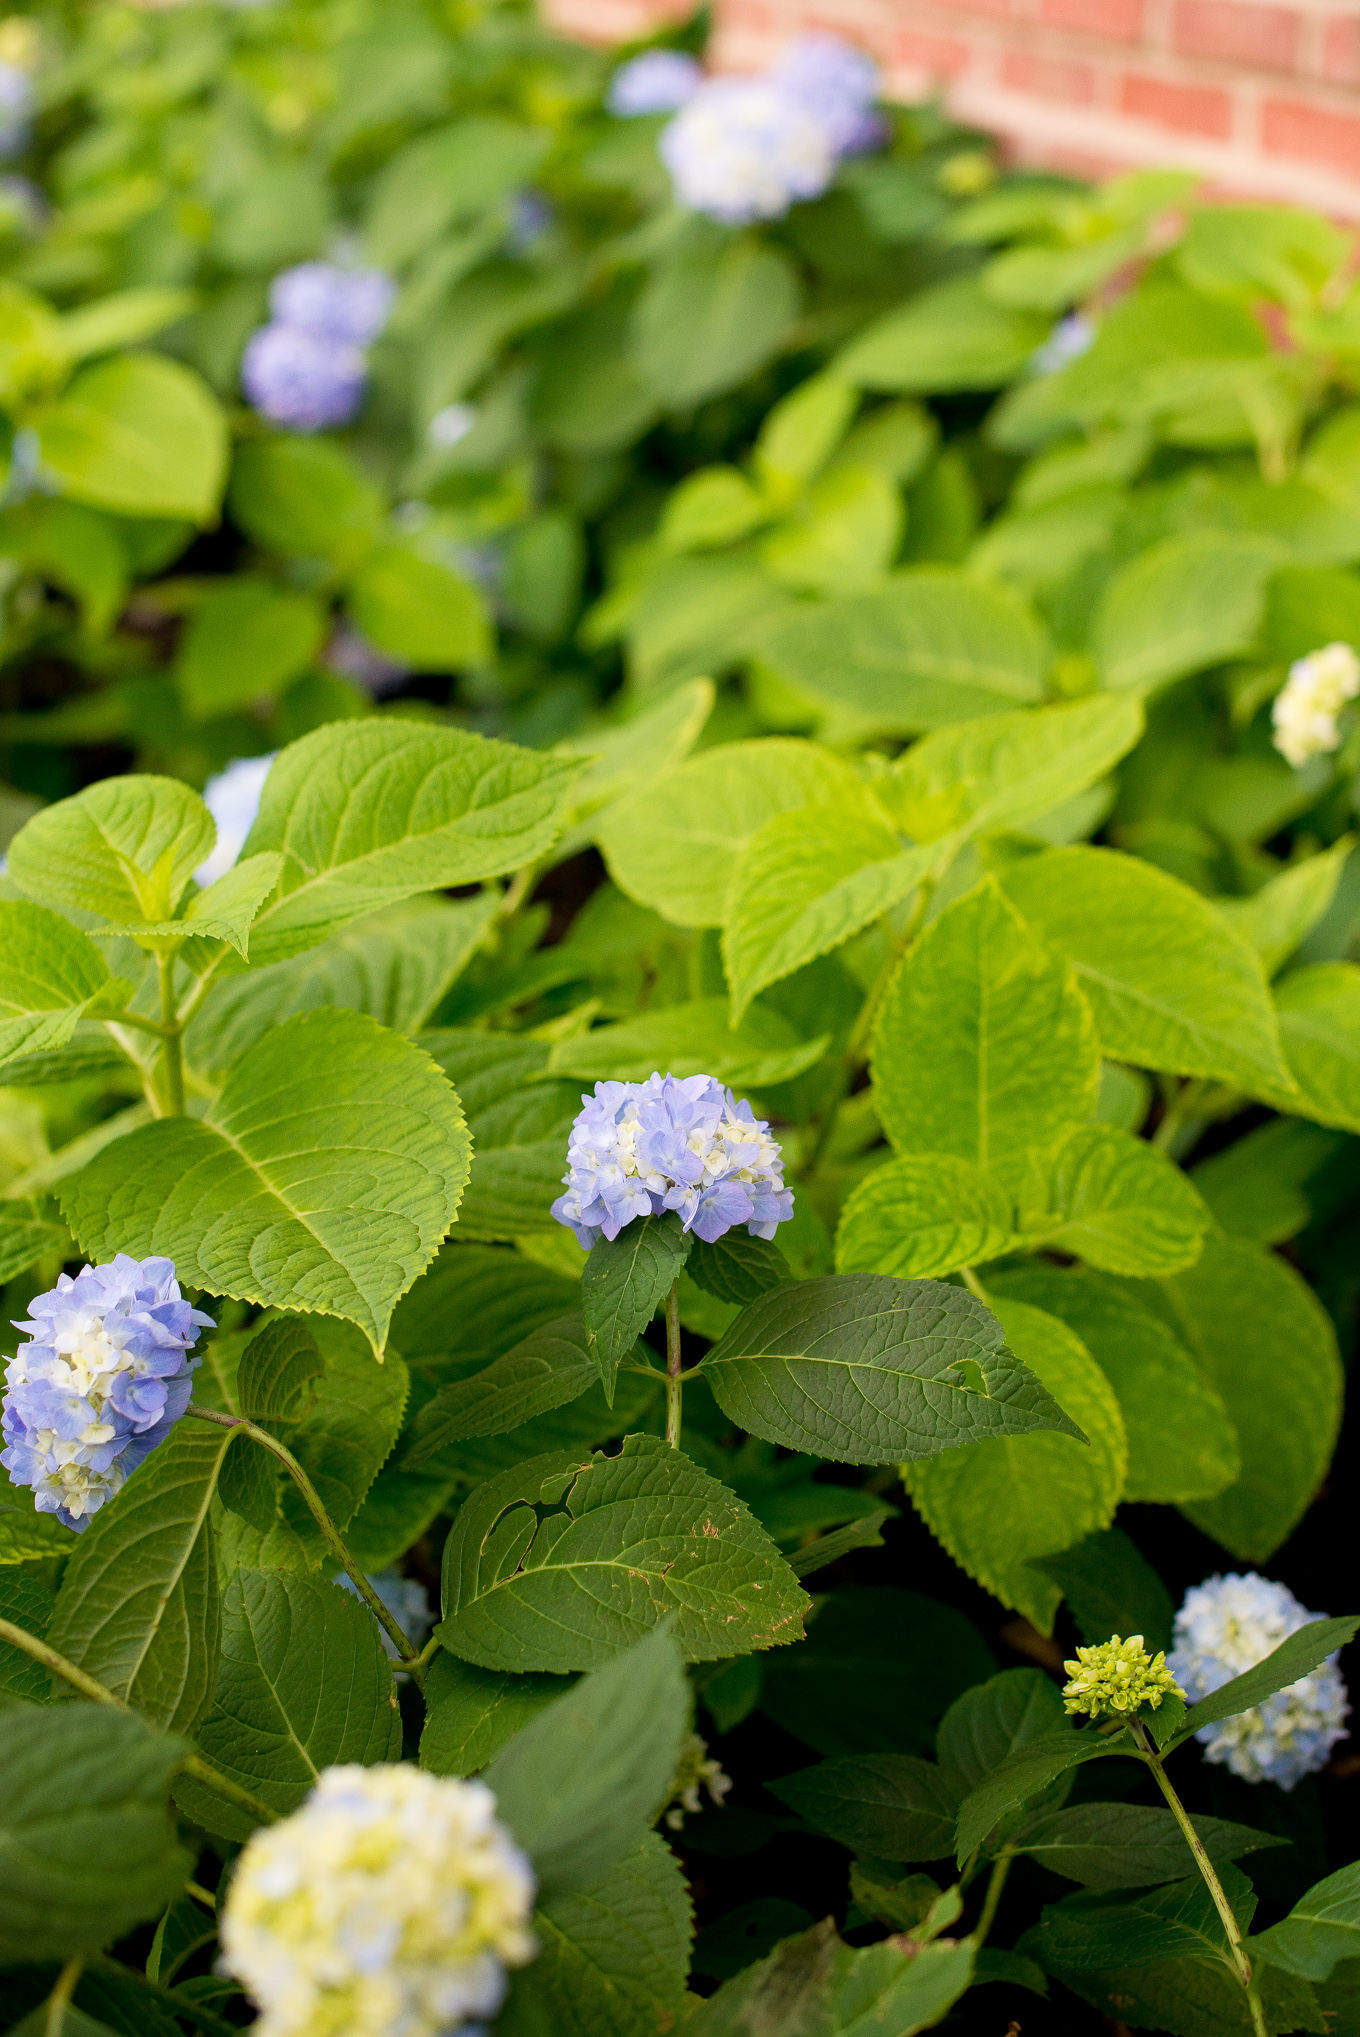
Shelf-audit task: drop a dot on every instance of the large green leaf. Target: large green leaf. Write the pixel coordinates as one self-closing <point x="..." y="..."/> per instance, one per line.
<point x="1267" y="1345"/>
<point x="304" y="498"/>
<point x="581" y="1782"/>
<point x="868" y="1370"/>
<point x="1011" y="1498"/>
<point x="691" y="1039"/>
<point x="249" y="639"/>
<point x="1191" y="601"/>
<point x="1107" y="1197"/>
<point x="952" y="336"/>
<point x="984" y="1727"/>
<point x="88" y="1849"/>
<point x="451" y="173"/>
<point x="345" y="1434"/>
<point x="1110" y="1588"/>
<point x="553" y="1365"/>
<point x="807" y="881"/>
<point x="673" y="843"/>
<point x="50" y="976"/>
<point x="421" y="612"/>
<point x="519" y="1129"/>
<point x="1182" y="1446"/>
<point x="139" y="1605"/>
<point x="643" y="1535"/>
<point x="125" y="848"/>
<point x="365" y="814"/>
<point x="141" y="435"/>
<point x="927" y="1215"/>
<point x="324" y="1176"/>
<point x="1319" y="1014"/>
<point x="475" y="1304"/>
<point x="985" y="1045"/>
<point x="470" y="1713"/>
<point x="706" y="320"/>
<point x="625" y="1281"/>
<point x="929" y="647"/>
<point x="891" y="1806"/>
<point x="1170" y="985"/>
<point x="27" y="1604"/>
<point x="1322" y="1927"/>
<point x="1129" y="1845"/>
<point x="304" y="1684"/>
<point x="1024" y="1773"/>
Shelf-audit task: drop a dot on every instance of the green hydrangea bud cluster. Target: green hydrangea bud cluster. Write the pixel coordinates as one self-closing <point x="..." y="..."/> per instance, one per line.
<point x="1118" y="1677"/>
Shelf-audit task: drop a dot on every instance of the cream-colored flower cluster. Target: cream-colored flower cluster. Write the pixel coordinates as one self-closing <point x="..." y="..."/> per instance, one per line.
<point x="1307" y="710"/>
<point x="390" y="1905"/>
<point x="1117" y="1677"/>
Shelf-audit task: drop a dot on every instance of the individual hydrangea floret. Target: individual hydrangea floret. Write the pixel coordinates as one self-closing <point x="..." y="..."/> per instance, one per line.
<point x="671" y="1142"/>
<point x="531" y="217"/>
<point x="698" y="1770"/>
<point x="658" y="81"/>
<point x="1226" y="1626"/>
<point x="837" y="84"/>
<point x="1307" y="710"/>
<point x="1070" y="338"/>
<point x="1117" y="1678"/>
<point x="390" y="1905"/>
<point x="744" y="149"/>
<point x="233" y="799"/>
<point x="349" y="305"/>
<point x="103" y="1380"/>
<point x="302" y="379"/>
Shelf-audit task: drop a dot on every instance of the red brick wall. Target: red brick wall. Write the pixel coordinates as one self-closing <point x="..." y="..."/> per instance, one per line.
<point x="1262" y="99"/>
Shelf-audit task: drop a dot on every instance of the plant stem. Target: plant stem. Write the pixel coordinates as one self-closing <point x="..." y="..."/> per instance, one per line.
<point x="1001" y="1867"/>
<point x="410" y="1655"/>
<point x="1240" y="1962"/>
<point x="674" y="1390"/>
<point x="89" y="1687"/>
<point x="972" y="1283"/>
<point x="172" y="1059"/>
<point x="1177" y="1114"/>
<point x="426" y="1657"/>
<point x="201" y="1895"/>
<point x="62" y="1993"/>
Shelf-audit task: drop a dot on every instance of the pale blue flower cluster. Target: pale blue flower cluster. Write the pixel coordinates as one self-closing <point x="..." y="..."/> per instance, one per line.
<point x="671" y="1143"/>
<point x="233" y="799"/>
<point x="1226" y="1626"/>
<point x="658" y="81"/>
<point x="306" y="369"/>
<point x="102" y="1381"/>
<point x="16" y="108"/>
<point x="746" y="148"/>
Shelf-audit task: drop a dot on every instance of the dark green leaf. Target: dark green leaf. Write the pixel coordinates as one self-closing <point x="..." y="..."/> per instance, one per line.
<point x="625" y="1281"/>
<point x="24" y="1603"/>
<point x="1129" y="1845"/>
<point x="553" y="1365"/>
<point x="1294" y="1657"/>
<point x="470" y="1713"/>
<point x="993" y="1719"/>
<point x="277" y="1371"/>
<point x="1112" y="1589"/>
<point x="889" y="1805"/>
<point x="1023" y="1775"/>
<point x="738" y="1268"/>
<point x="1085" y="1933"/>
<point x="860" y="1534"/>
<point x="1322" y="1927"/>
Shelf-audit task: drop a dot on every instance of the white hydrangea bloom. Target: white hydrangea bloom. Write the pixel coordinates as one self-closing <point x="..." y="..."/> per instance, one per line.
<point x="390" y="1905"/>
<point x="744" y="149"/>
<point x="1226" y="1626"/>
<point x="1307" y="709"/>
<point x="233" y="799"/>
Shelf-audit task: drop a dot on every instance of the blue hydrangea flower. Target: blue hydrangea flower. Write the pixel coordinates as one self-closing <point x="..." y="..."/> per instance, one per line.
<point x="1229" y="1624"/>
<point x="531" y="216"/>
<point x="658" y="81"/>
<point x="303" y="379"/>
<point x="744" y="149"/>
<point x="1070" y="338"/>
<point x="404" y="1598"/>
<point x="837" y="84"/>
<point x="233" y="799"/>
<point x="16" y="108"/>
<point x="349" y="305"/>
<point x="681" y="1143"/>
<point x="103" y="1380"/>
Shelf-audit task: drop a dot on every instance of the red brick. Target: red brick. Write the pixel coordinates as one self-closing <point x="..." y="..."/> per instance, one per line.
<point x="1056" y="78"/>
<point x="1111" y="20"/>
<point x="940" y="56"/>
<point x="1264" y="38"/>
<point x="1183" y="109"/>
<point x="1341" y="50"/>
<point x="1293" y="127"/>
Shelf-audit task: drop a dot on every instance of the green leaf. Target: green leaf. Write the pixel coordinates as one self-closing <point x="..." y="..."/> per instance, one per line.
<point x="624" y="1283"/>
<point x="27" y="1536"/>
<point x="823" y="1550"/>
<point x="951" y="336"/>
<point x="1197" y="1997"/>
<point x="691" y="1039"/>
<point x="277" y="1371"/>
<point x="1129" y="1845"/>
<point x="1170" y="986"/>
<point x="1022" y="1775"/>
<point x="1269" y="1349"/>
<point x="807" y="881"/>
<point x="476" y="1303"/>
<point x="891" y="1806"/>
<point x="581" y="1782"/>
<point x="248" y="640"/>
<point x="22" y="1240"/>
<point x="1111" y="1589"/>
<point x="367" y="813"/>
<point x="470" y="1713"/>
<point x="927" y="1215"/>
<point x="304" y="1685"/>
<point x="1113" y="1200"/>
<point x="124" y="848"/>
<point x="139" y="434"/>
<point x="49" y="975"/>
<point x="1182" y="1445"/>
<point x="842" y="534"/>
<point x="451" y="173"/>
<point x="1299" y="1653"/>
<point x="345" y="1435"/>
<point x="1287" y="908"/>
<point x="984" y="1726"/>
<point x="711" y="507"/>
<point x="416" y="610"/>
<point x="553" y="1365"/>
<point x="1012" y="1498"/>
<point x="644" y="1535"/>
<point x="985" y="1045"/>
<point x="1192" y="601"/>
<point x="25" y="1603"/>
<point x="673" y="844"/>
<point x="226" y="910"/>
<point x="899" y="1985"/>
<point x="1322" y="1928"/>
<point x="1319" y="1015"/>
<point x="704" y="322"/>
<point x="878" y="1670"/>
<point x="396" y="968"/>
<point x="612" y="1956"/>
<point x="929" y="647"/>
<point x="868" y="1370"/>
<point x="519" y="1131"/>
<point x="737" y="1268"/>
<point x="259" y="1200"/>
<point x="304" y="498"/>
<point x="139" y="1607"/>
<point x="88" y="1849"/>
